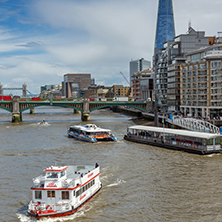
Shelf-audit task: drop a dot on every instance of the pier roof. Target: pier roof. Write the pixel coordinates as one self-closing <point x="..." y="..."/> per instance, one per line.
<point x="195" y="134"/>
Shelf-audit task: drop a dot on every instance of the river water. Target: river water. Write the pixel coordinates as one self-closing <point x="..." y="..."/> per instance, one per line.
<point x="140" y="182"/>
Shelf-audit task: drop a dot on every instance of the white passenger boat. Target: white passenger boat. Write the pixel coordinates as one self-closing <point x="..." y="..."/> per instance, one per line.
<point x="90" y="133"/>
<point x="62" y="190"/>
<point x="196" y="142"/>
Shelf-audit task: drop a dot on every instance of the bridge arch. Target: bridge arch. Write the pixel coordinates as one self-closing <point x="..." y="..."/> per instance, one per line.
<point x="9" y="110"/>
<point x="56" y="105"/>
<point x="109" y="105"/>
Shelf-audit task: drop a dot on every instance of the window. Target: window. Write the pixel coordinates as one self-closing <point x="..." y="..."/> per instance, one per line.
<point x="52" y="175"/>
<point x="51" y="193"/>
<point x="65" y="195"/>
<point x="215" y="64"/>
<point x="63" y="173"/>
<point x="38" y="194"/>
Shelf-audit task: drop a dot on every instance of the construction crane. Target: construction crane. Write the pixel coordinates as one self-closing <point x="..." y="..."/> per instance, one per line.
<point x="125" y="78"/>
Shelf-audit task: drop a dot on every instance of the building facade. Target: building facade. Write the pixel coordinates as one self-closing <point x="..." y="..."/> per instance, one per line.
<point x="167" y="67"/>
<point x="74" y="85"/>
<point x="51" y="91"/>
<point x="201" y="82"/>
<point x="51" y="87"/>
<point x="138" y="65"/>
<point x="143" y="85"/>
<point x="121" y="91"/>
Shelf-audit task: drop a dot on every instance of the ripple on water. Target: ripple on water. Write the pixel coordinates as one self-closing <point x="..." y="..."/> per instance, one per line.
<point x="140" y="182"/>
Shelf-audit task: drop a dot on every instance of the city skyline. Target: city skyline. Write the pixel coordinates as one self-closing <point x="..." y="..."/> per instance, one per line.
<point x="42" y="40"/>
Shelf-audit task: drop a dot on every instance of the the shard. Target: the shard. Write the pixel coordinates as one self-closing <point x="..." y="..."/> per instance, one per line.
<point x="165" y="30"/>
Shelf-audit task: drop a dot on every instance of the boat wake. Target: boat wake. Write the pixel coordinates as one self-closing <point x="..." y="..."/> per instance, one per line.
<point x="119" y="181"/>
<point x="40" y="124"/>
<point x="212" y="155"/>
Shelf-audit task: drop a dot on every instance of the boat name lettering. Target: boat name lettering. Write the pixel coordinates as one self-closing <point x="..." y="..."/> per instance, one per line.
<point x="82" y="196"/>
<point x="51" y="185"/>
<point x="90" y="175"/>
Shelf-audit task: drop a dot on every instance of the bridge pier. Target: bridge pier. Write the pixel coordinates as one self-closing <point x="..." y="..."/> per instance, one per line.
<point x="16" y="115"/>
<point x="75" y="111"/>
<point x="85" y="116"/>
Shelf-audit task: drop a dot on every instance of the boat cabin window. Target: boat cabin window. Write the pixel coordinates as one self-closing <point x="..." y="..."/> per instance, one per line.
<point x="75" y="130"/>
<point x="218" y="141"/>
<point x="38" y="194"/>
<point x="52" y="174"/>
<point x="50" y="193"/>
<point x="65" y="195"/>
<point x="63" y="173"/>
<point x="86" y="187"/>
<point x="210" y="142"/>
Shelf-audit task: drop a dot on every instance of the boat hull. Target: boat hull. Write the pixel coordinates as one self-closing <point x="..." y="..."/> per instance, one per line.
<point x="91" y="140"/>
<point x="64" y="213"/>
<point x="81" y="138"/>
<point x="170" y="146"/>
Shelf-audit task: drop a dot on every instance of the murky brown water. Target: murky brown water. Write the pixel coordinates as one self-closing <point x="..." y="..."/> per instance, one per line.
<point x="140" y="182"/>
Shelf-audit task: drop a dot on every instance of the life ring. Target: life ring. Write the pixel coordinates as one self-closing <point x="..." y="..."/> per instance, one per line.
<point x="36" y="208"/>
<point x="48" y="207"/>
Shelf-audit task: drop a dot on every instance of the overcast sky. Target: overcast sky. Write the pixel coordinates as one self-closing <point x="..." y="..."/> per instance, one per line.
<point x="41" y="40"/>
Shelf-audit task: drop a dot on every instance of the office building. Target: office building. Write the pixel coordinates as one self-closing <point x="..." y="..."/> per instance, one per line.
<point x="165" y="30"/>
<point x="74" y="85"/>
<point x="143" y="85"/>
<point x="138" y="65"/>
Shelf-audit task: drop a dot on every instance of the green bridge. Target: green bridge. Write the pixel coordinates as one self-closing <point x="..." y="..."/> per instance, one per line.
<point x="17" y="106"/>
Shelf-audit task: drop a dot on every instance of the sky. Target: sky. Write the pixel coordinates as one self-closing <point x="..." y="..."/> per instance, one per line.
<point x="41" y="40"/>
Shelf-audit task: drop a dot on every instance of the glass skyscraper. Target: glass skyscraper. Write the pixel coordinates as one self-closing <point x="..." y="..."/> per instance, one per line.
<point x="165" y="30"/>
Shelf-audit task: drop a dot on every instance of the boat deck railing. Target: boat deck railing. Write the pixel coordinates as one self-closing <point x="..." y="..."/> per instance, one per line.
<point x="55" y="207"/>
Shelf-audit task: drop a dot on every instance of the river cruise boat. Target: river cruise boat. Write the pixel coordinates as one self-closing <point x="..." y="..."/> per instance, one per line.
<point x="90" y="133"/>
<point x="62" y="190"/>
<point x="190" y="141"/>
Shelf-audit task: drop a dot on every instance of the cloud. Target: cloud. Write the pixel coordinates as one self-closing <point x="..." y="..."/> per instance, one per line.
<point x="32" y="44"/>
<point x="47" y="39"/>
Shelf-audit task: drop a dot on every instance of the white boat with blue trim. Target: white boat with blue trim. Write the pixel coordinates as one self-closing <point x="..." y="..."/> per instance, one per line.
<point x="62" y="190"/>
<point x="90" y="133"/>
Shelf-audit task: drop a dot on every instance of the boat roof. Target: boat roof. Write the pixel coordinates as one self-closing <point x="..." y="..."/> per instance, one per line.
<point x="56" y="168"/>
<point x="90" y="128"/>
<point x="188" y="133"/>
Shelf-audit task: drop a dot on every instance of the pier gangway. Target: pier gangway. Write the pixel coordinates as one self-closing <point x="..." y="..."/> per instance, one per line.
<point x="194" y="124"/>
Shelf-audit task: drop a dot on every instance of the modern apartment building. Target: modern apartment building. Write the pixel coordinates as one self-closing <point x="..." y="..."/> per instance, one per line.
<point x="167" y="67"/>
<point x="138" y="65"/>
<point x="74" y="85"/>
<point x="201" y="82"/>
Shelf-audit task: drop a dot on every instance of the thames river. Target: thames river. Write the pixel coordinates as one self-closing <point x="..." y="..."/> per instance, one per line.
<point x="140" y="182"/>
